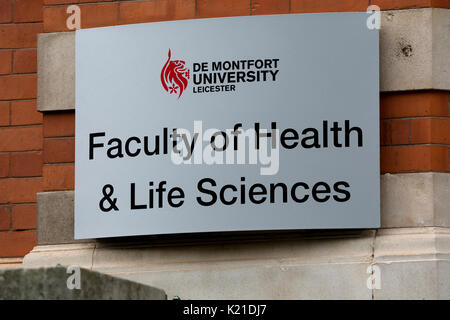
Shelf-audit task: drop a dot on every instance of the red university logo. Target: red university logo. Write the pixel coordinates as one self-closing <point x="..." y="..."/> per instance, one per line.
<point x="174" y="76"/>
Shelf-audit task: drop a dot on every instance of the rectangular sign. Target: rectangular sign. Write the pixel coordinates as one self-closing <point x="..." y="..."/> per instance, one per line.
<point x="244" y="123"/>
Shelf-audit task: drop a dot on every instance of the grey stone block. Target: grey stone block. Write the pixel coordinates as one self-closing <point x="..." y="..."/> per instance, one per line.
<point x="413" y="263"/>
<point x="441" y="49"/>
<point x="415" y="49"/>
<point x="56" y="71"/>
<point x="51" y="283"/>
<point x="415" y="200"/>
<point x="55" y="217"/>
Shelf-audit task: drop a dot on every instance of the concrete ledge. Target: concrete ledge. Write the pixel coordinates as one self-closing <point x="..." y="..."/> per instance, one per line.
<point x="56" y="71"/>
<point x="414" y="55"/>
<point x="412" y="263"/>
<point x="64" y="254"/>
<point x="415" y="200"/>
<point x="10" y="263"/>
<point x="326" y="267"/>
<point x="51" y="283"/>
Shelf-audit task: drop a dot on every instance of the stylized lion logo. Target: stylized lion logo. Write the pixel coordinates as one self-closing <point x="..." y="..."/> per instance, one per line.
<point x="174" y="76"/>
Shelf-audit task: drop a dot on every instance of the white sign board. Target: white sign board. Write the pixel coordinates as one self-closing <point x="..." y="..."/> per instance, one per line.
<point x="246" y="123"/>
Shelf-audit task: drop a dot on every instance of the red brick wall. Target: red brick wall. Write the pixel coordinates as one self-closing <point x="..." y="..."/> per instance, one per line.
<point x="415" y="130"/>
<point x="20" y="125"/>
<point x="59" y="151"/>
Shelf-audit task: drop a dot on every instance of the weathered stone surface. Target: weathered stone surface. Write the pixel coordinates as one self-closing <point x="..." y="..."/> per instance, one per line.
<point x="10" y="263"/>
<point x="56" y="71"/>
<point x="55" y="219"/>
<point x="441" y="49"/>
<point x="316" y="265"/>
<point x="65" y="254"/>
<point x="51" y="283"/>
<point x="413" y="263"/>
<point x="415" y="49"/>
<point x="415" y="200"/>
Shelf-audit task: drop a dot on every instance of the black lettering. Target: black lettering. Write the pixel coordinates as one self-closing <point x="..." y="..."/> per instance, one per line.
<point x="294" y="192"/>
<point x="338" y="189"/>
<point x="321" y="188"/>
<point x="117" y="148"/>
<point x="127" y="146"/>
<point x="349" y="130"/>
<point x="133" y="199"/>
<point x="93" y="145"/>
<point x="222" y="194"/>
<point x="314" y="137"/>
<point x="171" y="197"/>
<point x="252" y="193"/>
<point x="284" y="138"/>
<point x="335" y="129"/>
<point x="207" y="191"/>
<point x="272" y="191"/>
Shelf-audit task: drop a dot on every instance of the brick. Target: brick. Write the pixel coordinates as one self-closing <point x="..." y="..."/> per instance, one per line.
<point x="21" y="139"/>
<point x="28" y="10"/>
<point x="270" y="6"/>
<point x="52" y="2"/>
<point x="4" y="165"/>
<point x="91" y="1"/>
<point x="59" y="124"/>
<point x="19" y="190"/>
<point x="18" y="87"/>
<point x="400" y="131"/>
<point x="4" y="113"/>
<point x="430" y="131"/>
<point x="311" y="6"/>
<point x="403" y="4"/>
<point x="23" y="217"/>
<point x="5" y="61"/>
<point x="385" y="133"/>
<point x="99" y="15"/>
<point x="25" y="61"/>
<point x="20" y="35"/>
<point x="5" y="220"/>
<point x="415" y="159"/>
<point x="59" y="150"/>
<point x="5" y="11"/>
<point x="220" y="8"/>
<point x="55" y="19"/>
<point x="59" y="177"/>
<point x="28" y="164"/>
<point x="414" y="104"/>
<point x="421" y="130"/>
<point x="440" y="131"/>
<point x="25" y="113"/>
<point x="17" y="244"/>
<point x="92" y="15"/>
<point x="159" y="10"/>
